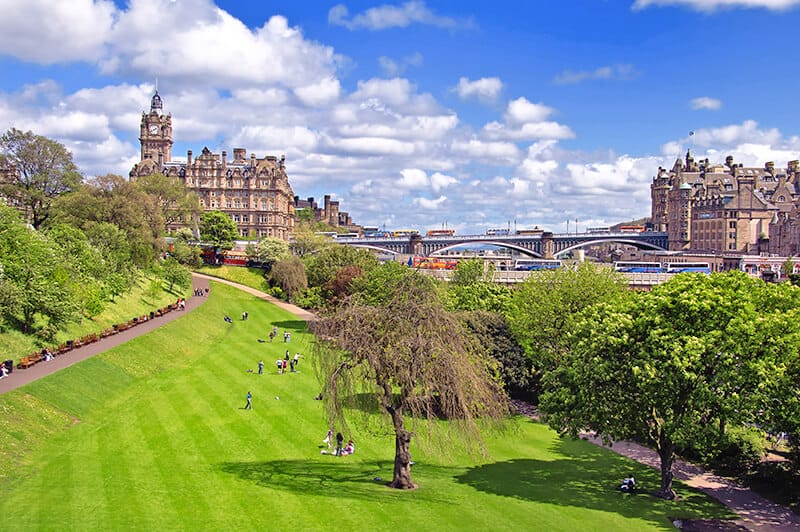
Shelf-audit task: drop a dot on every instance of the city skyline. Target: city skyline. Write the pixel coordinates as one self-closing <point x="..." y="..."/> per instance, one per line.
<point x="416" y="114"/>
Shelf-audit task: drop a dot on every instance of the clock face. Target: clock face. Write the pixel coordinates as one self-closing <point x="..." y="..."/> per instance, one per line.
<point x="153" y="129"/>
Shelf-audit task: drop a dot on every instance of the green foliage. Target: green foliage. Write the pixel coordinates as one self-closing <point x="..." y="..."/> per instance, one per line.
<point x="697" y="350"/>
<point x="172" y="201"/>
<point x="165" y="419"/>
<point x="44" y="171"/>
<point x="377" y="285"/>
<point x="737" y="452"/>
<point x="271" y="250"/>
<point x="321" y="268"/>
<point x="311" y="298"/>
<point x="186" y="254"/>
<point x="543" y="309"/>
<point x="218" y="229"/>
<point x="482" y="295"/>
<point x="472" y="271"/>
<point x="176" y="274"/>
<point x="290" y="276"/>
<point x="494" y="334"/>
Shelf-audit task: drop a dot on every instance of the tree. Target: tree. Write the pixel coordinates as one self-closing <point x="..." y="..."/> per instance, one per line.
<point x="271" y="250"/>
<point x="543" y="308"/>
<point x="218" y="229"/>
<point x="696" y="351"/>
<point x="321" y="268"/>
<point x="174" y="202"/>
<point x="290" y="275"/>
<point x="414" y="358"/>
<point x="176" y="274"/>
<point x="37" y="292"/>
<point x="305" y="242"/>
<point x="42" y="170"/>
<point x="471" y="271"/>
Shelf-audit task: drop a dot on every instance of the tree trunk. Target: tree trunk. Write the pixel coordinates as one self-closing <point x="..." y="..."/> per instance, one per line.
<point x="666" y="452"/>
<point x="401" y="478"/>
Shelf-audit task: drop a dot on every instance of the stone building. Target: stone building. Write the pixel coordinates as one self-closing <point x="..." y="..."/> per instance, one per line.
<point x="254" y="192"/>
<point x="724" y="207"/>
<point x="329" y="213"/>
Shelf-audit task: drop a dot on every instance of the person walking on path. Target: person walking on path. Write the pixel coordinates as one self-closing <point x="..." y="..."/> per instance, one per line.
<point x="260" y="367"/>
<point x="249" y="405"/>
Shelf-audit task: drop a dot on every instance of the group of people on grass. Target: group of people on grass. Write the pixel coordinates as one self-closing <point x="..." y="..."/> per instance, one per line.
<point x="348" y="449"/>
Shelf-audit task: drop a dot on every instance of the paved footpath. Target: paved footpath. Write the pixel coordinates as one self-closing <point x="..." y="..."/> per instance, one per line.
<point x="757" y="513"/>
<point x="21" y="377"/>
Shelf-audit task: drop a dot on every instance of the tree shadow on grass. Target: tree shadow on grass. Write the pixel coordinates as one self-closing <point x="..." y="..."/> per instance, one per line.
<point x="588" y="478"/>
<point x="337" y="478"/>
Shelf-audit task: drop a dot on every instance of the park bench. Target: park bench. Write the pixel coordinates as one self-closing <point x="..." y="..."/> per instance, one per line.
<point x="63" y="348"/>
<point x="25" y="362"/>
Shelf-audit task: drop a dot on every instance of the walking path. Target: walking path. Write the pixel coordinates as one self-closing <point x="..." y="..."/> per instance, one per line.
<point x="757" y="513"/>
<point x="21" y="377"/>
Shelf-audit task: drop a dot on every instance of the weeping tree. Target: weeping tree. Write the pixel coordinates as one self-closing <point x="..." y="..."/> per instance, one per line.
<point x="414" y="358"/>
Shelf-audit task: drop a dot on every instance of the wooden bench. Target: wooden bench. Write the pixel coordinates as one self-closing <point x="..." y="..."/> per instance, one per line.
<point x="25" y="362"/>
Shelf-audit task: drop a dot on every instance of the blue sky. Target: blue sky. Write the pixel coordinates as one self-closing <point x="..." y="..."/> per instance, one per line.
<point x="416" y="114"/>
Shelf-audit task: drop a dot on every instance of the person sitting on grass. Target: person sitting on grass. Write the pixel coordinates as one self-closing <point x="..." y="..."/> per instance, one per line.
<point x="628" y="484"/>
<point x="350" y="448"/>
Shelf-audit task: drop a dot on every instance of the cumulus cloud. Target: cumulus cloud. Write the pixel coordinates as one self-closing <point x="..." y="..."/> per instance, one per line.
<point x="430" y="204"/>
<point x="525" y="120"/>
<point x="389" y="16"/>
<point x="49" y="32"/>
<point x="485" y="89"/>
<point x="704" y="102"/>
<point x="613" y="72"/>
<point x="713" y="5"/>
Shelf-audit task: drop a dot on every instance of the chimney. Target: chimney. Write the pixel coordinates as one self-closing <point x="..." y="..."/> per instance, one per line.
<point x="224" y="159"/>
<point x="189" y="158"/>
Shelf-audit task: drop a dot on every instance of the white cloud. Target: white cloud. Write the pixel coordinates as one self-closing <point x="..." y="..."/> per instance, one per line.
<point x="496" y="152"/>
<point x="704" y="102"/>
<point x="388" y="16"/>
<point x="521" y="111"/>
<point x="612" y="72"/>
<point x="440" y="181"/>
<point x="713" y="5"/>
<point x="413" y="178"/>
<point x="430" y="204"/>
<point x="320" y="93"/>
<point x="194" y="41"/>
<point x="485" y="89"/>
<point x="47" y="32"/>
<point x="395" y="91"/>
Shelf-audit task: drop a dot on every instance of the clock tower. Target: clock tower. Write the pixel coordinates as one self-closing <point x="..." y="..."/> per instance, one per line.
<point x="155" y="135"/>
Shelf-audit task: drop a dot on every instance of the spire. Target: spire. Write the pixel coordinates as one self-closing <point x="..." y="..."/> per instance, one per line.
<point x="155" y="102"/>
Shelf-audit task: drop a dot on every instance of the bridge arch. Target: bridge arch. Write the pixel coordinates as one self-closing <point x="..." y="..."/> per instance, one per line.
<point x="522" y="250"/>
<point x="374" y="248"/>
<point x="641" y="244"/>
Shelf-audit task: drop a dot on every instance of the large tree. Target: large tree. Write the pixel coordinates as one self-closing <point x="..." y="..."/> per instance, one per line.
<point x="414" y="358"/>
<point x="42" y="170"/>
<point x="698" y="350"/>
<point x="175" y="203"/>
<point x="543" y="308"/>
<point x="218" y="229"/>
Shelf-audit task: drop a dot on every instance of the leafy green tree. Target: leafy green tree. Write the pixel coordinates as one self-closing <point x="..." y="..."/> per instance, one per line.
<point x="175" y="274"/>
<point x="218" y="229"/>
<point x="290" y="275"/>
<point x="415" y="360"/>
<point x="305" y="242"/>
<point x="696" y="351"/>
<point x="271" y="250"/>
<point x="542" y="310"/>
<point x="174" y="202"/>
<point x="472" y="271"/>
<point x="186" y="254"/>
<point x="493" y="333"/>
<point x="321" y="268"/>
<point x="43" y="171"/>
<point x="36" y="292"/>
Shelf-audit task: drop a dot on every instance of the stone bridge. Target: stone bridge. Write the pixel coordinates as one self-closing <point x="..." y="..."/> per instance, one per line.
<point x="542" y="245"/>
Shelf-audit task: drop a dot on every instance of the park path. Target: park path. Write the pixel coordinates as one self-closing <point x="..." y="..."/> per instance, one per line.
<point x="757" y="513"/>
<point x="21" y="377"/>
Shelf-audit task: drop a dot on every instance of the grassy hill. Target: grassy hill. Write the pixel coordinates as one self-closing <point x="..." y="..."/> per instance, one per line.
<point x="152" y="435"/>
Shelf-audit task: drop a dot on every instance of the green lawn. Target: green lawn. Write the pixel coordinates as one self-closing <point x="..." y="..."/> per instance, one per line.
<point x="135" y="302"/>
<point x="152" y="436"/>
<point x="252" y="277"/>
